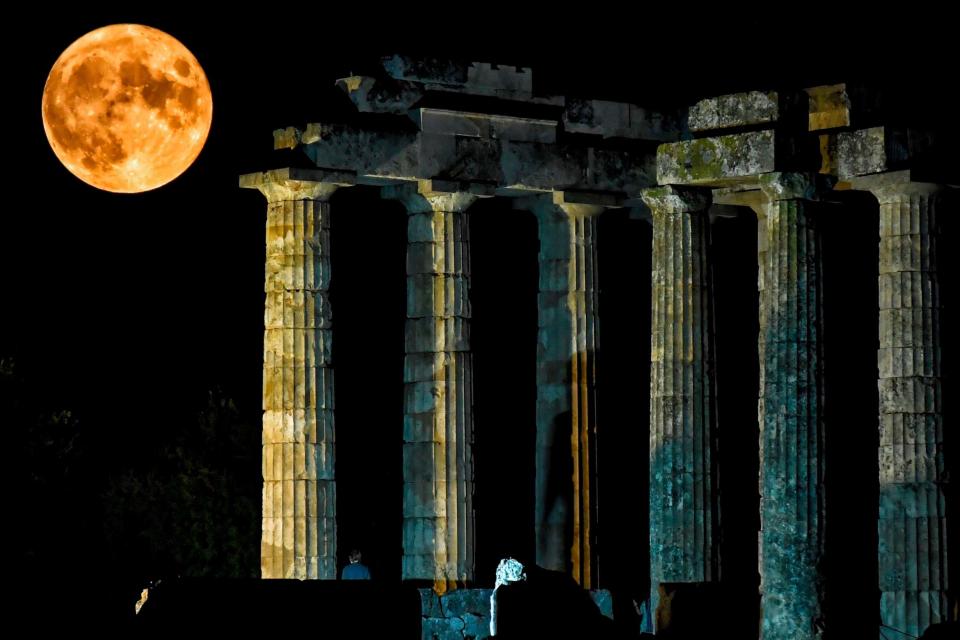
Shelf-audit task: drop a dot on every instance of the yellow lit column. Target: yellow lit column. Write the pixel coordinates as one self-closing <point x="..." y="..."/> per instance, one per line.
<point x="299" y="536"/>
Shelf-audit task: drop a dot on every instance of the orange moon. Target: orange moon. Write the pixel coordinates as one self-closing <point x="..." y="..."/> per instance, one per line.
<point x="127" y="108"/>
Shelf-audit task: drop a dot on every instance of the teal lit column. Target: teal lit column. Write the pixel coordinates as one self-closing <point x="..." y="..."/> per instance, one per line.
<point x="684" y="512"/>
<point x="791" y="413"/>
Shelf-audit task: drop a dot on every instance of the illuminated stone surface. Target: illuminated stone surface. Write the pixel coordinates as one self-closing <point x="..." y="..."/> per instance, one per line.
<point x="791" y="414"/>
<point x="299" y="534"/>
<point x="683" y="506"/>
<point x="438" y="519"/>
<point x="912" y="525"/>
<point x="734" y="110"/>
<point x="776" y="153"/>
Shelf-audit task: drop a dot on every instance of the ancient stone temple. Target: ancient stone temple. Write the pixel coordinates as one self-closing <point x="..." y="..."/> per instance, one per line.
<point x="437" y="137"/>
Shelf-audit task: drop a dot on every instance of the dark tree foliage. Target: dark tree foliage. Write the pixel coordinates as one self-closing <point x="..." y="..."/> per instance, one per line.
<point x="186" y="505"/>
<point x="49" y="454"/>
<point x="193" y="508"/>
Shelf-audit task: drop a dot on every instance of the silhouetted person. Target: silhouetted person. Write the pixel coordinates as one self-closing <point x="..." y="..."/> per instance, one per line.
<point x="356" y="570"/>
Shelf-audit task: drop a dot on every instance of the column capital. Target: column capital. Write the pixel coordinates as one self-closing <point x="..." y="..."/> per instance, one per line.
<point x="892" y="185"/>
<point x="425" y="196"/>
<point x="670" y="199"/>
<point x="279" y="185"/>
<point x="793" y="186"/>
<point x="570" y="203"/>
<point x="755" y="199"/>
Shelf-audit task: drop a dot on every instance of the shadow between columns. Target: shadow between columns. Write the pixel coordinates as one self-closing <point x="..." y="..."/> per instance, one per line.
<point x="368" y="240"/>
<point x="850" y="258"/>
<point x="736" y="327"/>
<point x="623" y="381"/>
<point x="948" y="266"/>
<point x="503" y="296"/>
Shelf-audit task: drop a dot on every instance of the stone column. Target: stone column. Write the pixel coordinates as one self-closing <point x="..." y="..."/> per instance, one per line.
<point x="438" y="518"/>
<point x="299" y="536"/>
<point x="683" y="498"/>
<point x="565" y="492"/>
<point x="912" y="525"/>
<point x="791" y="420"/>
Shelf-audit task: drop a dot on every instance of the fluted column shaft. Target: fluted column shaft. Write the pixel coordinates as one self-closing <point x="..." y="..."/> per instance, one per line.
<point x="438" y="517"/>
<point x="791" y="423"/>
<point x="683" y="507"/>
<point x="912" y="525"/>
<point x="299" y="536"/>
<point x="565" y="491"/>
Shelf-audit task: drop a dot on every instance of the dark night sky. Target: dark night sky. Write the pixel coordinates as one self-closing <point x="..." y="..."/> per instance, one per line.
<point x="129" y="307"/>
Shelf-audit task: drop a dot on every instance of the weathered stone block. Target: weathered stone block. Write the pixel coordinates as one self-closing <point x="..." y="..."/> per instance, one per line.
<point x="476" y="627"/>
<point x="878" y="149"/>
<point x="429" y="604"/>
<point x="431" y="295"/>
<point x="829" y="107"/>
<point x="481" y="125"/>
<point x="910" y="327"/>
<point x="442" y="628"/>
<point x="909" y="428"/>
<point x="913" y="252"/>
<point x="734" y="110"/>
<point x="900" y="362"/>
<point x="719" y="161"/>
<point x="429" y="459"/>
<point x="908" y="289"/>
<point x="906" y="499"/>
<point x="909" y="395"/>
<point x="467" y="601"/>
<point x="620" y="120"/>
<point x="910" y="463"/>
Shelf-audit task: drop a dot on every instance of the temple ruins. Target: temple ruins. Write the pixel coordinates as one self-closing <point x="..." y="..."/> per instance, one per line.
<point x="438" y="136"/>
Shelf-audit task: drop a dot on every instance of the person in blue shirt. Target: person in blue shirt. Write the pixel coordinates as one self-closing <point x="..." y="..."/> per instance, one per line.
<point x="356" y="570"/>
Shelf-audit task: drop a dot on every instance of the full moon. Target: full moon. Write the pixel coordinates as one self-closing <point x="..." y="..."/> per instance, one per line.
<point x="127" y="108"/>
